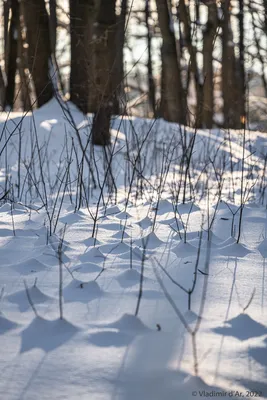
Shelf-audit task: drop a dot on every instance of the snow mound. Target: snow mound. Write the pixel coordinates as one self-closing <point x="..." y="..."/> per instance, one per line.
<point x="20" y="298"/>
<point x="242" y="327"/>
<point x="80" y="291"/>
<point x="91" y="242"/>
<point x="128" y="278"/>
<point x="183" y="250"/>
<point x="5" y="208"/>
<point x="113" y="226"/>
<point x="144" y="223"/>
<point x="123" y="215"/>
<point x="115" y="248"/>
<point x="163" y="206"/>
<point x="186" y="208"/>
<point x="262" y="247"/>
<point x="86" y="268"/>
<point x="72" y="218"/>
<point x="121" y="235"/>
<point x="5" y="324"/>
<point x="129" y="322"/>
<point x="227" y="242"/>
<point x="46" y="335"/>
<point x="112" y="210"/>
<point x="234" y="250"/>
<point x="92" y="254"/>
<point x="150" y="241"/>
<point x="29" y="266"/>
<point x="137" y="255"/>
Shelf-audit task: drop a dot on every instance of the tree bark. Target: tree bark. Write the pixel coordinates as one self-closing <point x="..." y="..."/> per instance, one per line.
<point x="119" y="99"/>
<point x="208" y="45"/>
<point x="229" y="73"/>
<point x="183" y="13"/>
<point x="82" y="16"/>
<point x="242" y="64"/>
<point x="151" y="83"/>
<point x="53" y="24"/>
<point x="172" y="100"/>
<point x="2" y="90"/>
<point x="12" y="54"/>
<point x="104" y="71"/>
<point x="39" y="48"/>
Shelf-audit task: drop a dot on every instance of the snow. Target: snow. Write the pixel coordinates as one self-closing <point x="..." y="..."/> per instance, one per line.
<point x="120" y="336"/>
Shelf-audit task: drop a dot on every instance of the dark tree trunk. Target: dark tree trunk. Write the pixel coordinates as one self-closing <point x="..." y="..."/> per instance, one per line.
<point x="53" y="24"/>
<point x="104" y="71"/>
<point x="2" y="90"/>
<point x="184" y="15"/>
<point x="119" y="99"/>
<point x="23" y="67"/>
<point x="242" y="64"/>
<point x="6" y="9"/>
<point x="82" y="15"/>
<point x="208" y="45"/>
<point x="172" y="100"/>
<point x="12" y="54"/>
<point x="151" y="83"/>
<point x="36" y="20"/>
<point x="230" y="81"/>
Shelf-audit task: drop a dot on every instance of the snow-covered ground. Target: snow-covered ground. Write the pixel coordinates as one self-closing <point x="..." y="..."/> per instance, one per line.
<point x="131" y="239"/>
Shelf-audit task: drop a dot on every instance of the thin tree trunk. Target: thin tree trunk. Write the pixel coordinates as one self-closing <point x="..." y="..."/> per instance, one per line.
<point x="82" y="15"/>
<point x="2" y="90"/>
<point x="53" y="24"/>
<point x="23" y="67"/>
<point x="208" y="45"/>
<point x="12" y="53"/>
<point x="242" y="64"/>
<point x="36" y="20"/>
<point x="151" y="83"/>
<point x="6" y="9"/>
<point x="119" y="99"/>
<point x="172" y="100"/>
<point x="185" y="19"/>
<point x="104" y="70"/>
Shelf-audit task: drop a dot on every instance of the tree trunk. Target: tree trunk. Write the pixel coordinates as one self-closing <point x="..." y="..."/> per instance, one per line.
<point x="104" y="71"/>
<point x="119" y="99"/>
<point x="151" y="83"/>
<point x="242" y="99"/>
<point x="6" y="9"/>
<point x="229" y="75"/>
<point x="82" y="15"/>
<point x="183" y="13"/>
<point x="23" y="67"/>
<point x="53" y="24"/>
<point x="172" y="100"/>
<point x="208" y="45"/>
<point x="12" y="53"/>
<point x="2" y="90"/>
<point x="39" y="51"/>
